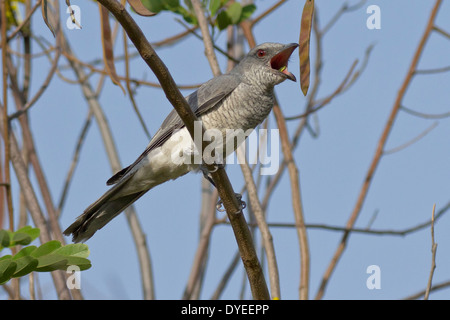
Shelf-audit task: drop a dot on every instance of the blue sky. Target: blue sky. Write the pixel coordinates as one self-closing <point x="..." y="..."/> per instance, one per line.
<point x="332" y="166"/>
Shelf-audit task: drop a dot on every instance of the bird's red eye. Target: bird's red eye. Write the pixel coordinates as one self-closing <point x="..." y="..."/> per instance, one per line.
<point x="261" y="53"/>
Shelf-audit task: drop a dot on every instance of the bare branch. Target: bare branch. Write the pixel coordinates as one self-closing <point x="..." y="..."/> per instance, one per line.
<point x="433" y="256"/>
<point x="425" y="115"/>
<point x="412" y="141"/>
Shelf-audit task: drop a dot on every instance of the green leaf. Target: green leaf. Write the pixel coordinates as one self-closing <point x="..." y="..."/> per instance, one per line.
<point x="7" y="268"/>
<point x="26" y="251"/>
<point x="4" y="239"/>
<point x="172" y="4"/>
<point x="82" y="263"/>
<point x="75" y="250"/>
<point x="223" y="20"/>
<point x="51" y="262"/>
<point x="49" y="256"/>
<point x="32" y="232"/>
<point x="188" y="3"/>
<point x="154" y="6"/>
<point x="6" y="257"/>
<point x="214" y="6"/>
<point x="20" y="238"/>
<point x="247" y="11"/>
<point x="234" y="12"/>
<point x="46" y="248"/>
<point x="25" y="265"/>
<point x="188" y="16"/>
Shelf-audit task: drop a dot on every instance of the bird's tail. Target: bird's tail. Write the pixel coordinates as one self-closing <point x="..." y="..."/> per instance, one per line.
<point x="100" y="213"/>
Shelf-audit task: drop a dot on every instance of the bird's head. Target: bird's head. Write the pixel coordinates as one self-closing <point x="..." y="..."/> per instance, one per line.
<point x="267" y="63"/>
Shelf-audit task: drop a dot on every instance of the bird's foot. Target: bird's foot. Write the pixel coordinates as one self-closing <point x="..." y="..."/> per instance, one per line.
<point x="207" y="173"/>
<point x="242" y="204"/>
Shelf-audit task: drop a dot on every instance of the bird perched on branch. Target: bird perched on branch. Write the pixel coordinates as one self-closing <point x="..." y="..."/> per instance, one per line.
<point x="238" y="100"/>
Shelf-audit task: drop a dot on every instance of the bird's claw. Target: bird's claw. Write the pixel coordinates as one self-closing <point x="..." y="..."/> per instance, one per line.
<point x="242" y="204"/>
<point x="216" y="167"/>
<point x="207" y="173"/>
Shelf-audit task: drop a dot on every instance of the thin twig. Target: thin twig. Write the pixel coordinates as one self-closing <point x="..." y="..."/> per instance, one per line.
<point x="329" y="98"/>
<point x="439" y="286"/>
<point x="412" y="141"/>
<point x="229" y="57"/>
<point x="76" y="155"/>
<point x="425" y="115"/>
<point x="345" y="8"/>
<point x="433" y="257"/>
<point x="201" y="252"/>
<point x="441" y="32"/>
<point x="130" y="92"/>
<point x="267" y="12"/>
<point x="296" y="203"/>
<point x="222" y="283"/>
<point x="262" y="225"/>
<point x="432" y="71"/>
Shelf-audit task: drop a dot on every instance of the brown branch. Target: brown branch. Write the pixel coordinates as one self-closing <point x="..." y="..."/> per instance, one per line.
<point x="378" y="153"/>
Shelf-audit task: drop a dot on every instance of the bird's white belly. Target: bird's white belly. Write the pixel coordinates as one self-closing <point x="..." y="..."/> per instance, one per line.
<point x="164" y="163"/>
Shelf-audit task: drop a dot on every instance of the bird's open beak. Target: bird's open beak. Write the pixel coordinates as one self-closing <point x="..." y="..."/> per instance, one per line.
<point x="280" y="60"/>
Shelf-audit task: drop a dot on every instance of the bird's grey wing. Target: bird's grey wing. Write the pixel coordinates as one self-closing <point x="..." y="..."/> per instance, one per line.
<point x="201" y="101"/>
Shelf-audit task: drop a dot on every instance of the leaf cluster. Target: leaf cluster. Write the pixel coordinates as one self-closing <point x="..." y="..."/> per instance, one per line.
<point x="221" y="15"/>
<point x="49" y="256"/>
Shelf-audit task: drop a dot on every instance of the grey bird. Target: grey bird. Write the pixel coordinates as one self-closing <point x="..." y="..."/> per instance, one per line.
<point x="240" y="99"/>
